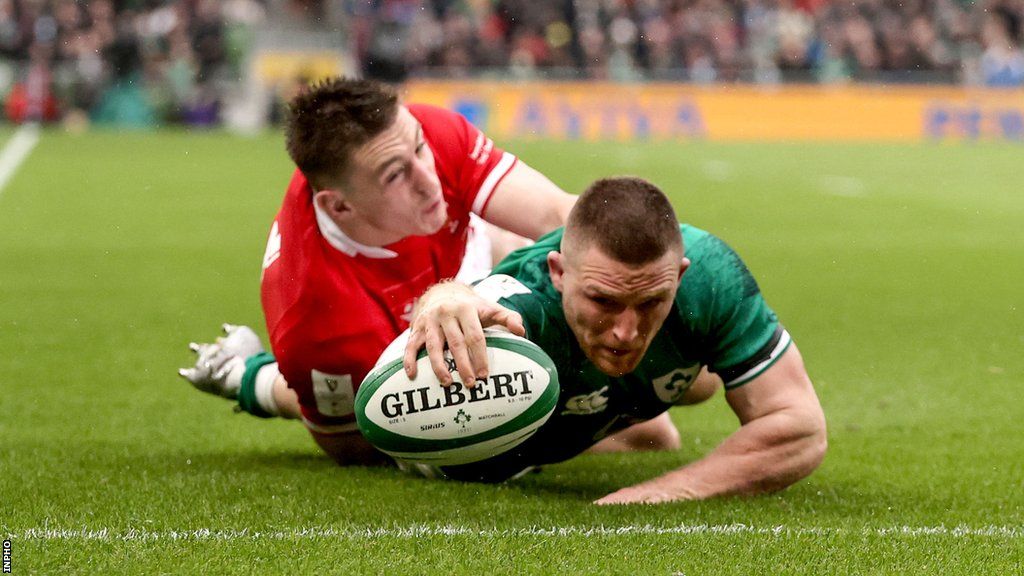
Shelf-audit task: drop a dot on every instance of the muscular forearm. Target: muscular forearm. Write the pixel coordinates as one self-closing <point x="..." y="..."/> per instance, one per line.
<point x="764" y="455"/>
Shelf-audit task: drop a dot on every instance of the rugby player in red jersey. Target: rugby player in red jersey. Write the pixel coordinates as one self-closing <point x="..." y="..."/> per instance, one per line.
<point x="377" y="211"/>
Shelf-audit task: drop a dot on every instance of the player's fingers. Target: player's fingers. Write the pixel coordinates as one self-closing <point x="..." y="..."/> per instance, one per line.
<point x="501" y="316"/>
<point x="453" y="333"/>
<point x="228" y="328"/>
<point x="476" y="347"/>
<point x="412" y="350"/>
<point x="193" y="346"/>
<point x="514" y="322"/>
<point x="434" y="342"/>
<point x="617" y="497"/>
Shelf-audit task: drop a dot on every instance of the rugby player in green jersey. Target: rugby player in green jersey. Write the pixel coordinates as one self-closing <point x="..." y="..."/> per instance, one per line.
<point x="640" y="314"/>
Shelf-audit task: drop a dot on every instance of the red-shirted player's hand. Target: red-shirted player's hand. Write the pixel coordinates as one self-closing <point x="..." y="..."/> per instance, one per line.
<point x="453" y="314"/>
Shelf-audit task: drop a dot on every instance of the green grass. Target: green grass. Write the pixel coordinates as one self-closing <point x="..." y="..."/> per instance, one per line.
<point x="898" y="270"/>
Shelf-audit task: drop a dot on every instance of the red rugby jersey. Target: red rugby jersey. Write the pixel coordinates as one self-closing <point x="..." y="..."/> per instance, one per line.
<point x="333" y="305"/>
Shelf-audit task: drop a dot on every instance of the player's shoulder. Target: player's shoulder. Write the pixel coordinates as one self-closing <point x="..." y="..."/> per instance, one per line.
<point x="711" y="257"/>
<point x="539" y="306"/>
<point x="522" y="281"/>
<point x="295" y="216"/>
<point x="298" y="192"/>
<point x="434" y="118"/>
<point x="531" y="260"/>
<point x="717" y="286"/>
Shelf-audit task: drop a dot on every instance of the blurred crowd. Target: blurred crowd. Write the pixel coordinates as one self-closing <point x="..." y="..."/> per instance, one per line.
<point x="968" y="41"/>
<point x="151" y="61"/>
<point x="135" y="62"/>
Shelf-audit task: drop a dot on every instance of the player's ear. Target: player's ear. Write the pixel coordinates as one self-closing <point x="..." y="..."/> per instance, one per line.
<point x="333" y="203"/>
<point x="683" y="266"/>
<point x="556" y="266"/>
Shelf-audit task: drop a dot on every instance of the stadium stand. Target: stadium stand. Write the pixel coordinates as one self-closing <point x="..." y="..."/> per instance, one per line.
<point x="701" y="41"/>
<point x="144" y="62"/>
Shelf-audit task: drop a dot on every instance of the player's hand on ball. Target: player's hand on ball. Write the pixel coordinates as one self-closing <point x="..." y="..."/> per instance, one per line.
<point x="220" y="365"/>
<point x="453" y="314"/>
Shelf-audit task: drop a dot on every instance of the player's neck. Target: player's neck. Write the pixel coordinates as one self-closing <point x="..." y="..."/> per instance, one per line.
<point x="354" y="239"/>
<point x="367" y="235"/>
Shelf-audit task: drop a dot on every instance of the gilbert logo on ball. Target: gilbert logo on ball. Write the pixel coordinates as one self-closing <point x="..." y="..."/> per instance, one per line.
<point x="422" y="421"/>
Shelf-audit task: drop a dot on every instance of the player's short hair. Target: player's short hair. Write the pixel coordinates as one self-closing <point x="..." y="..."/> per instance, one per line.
<point x="627" y="218"/>
<point x="331" y="118"/>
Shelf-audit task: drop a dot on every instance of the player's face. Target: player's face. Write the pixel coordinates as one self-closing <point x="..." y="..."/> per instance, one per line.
<point x="393" y="186"/>
<point x="614" y="309"/>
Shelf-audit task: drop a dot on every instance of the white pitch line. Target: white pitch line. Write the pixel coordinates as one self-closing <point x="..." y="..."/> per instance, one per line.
<point x="16" y="151"/>
<point x="419" y="531"/>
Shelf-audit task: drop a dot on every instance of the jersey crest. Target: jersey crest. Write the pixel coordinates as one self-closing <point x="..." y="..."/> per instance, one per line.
<point x="335" y="395"/>
<point x="671" y="387"/>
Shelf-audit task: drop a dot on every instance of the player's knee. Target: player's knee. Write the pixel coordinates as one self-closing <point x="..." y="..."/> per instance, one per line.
<point x="350" y="450"/>
<point x="656" y="434"/>
<point x="666" y="437"/>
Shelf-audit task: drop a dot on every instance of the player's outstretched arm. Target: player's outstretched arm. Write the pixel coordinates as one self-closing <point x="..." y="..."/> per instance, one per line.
<point x="547" y="205"/>
<point x="780" y="441"/>
<point x="452" y="314"/>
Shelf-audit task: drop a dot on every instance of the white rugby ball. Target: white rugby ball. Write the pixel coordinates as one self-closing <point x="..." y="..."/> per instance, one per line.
<point x="422" y="421"/>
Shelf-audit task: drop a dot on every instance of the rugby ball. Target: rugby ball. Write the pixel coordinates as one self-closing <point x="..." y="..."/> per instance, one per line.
<point x="422" y="421"/>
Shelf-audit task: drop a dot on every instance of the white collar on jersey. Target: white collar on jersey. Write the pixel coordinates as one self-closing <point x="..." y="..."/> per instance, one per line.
<point x="335" y="237"/>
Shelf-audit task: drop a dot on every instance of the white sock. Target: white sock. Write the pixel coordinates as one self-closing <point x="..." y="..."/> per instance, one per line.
<point x="264" y="388"/>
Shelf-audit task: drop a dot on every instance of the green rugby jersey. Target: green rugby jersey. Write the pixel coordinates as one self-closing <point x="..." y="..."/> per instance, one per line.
<point x="719" y="320"/>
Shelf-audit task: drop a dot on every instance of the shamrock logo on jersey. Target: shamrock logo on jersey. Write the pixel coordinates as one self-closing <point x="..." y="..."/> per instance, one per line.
<point x="671" y="387"/>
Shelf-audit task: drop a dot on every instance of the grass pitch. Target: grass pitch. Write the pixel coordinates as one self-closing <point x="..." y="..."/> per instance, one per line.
<point x="897" y="268"/>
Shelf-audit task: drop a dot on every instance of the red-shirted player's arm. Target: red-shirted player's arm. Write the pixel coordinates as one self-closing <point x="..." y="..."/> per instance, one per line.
<point x="548" y="205"/>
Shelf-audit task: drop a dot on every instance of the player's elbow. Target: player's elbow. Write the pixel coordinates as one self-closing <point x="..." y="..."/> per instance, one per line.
<point x="817" y="440"/>
<point x="807" y="447"/>
<point x="656" y="435"/>
<point x="798" y="447"/>
<point x="811" y="455"/>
